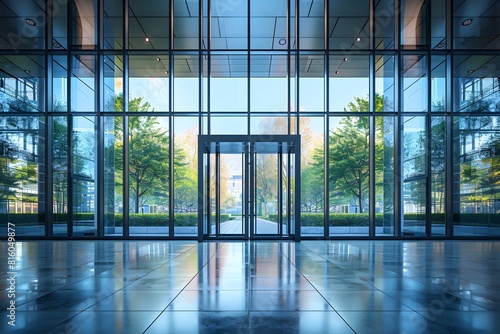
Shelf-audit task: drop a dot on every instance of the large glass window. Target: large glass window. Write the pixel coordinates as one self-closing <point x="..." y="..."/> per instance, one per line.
<point x="476" y="172"/>
<point x="414" y="160"/>
<point x="349" y="82"/>
<point x="60" y="195"/>
<point x="348" y="175"/>
<point x="311" y="82"/>
<point x="22" y="175"/>
<point x="113" y="176"/>
<point x="268" y="82"/>
<point x="229" y="83"/>
<point x="83" y="84"/>
<point x="83" y="176"/>
<point x="384" y="175"/>
<point x="149" y="82"/>
<point x="149" y="174"/>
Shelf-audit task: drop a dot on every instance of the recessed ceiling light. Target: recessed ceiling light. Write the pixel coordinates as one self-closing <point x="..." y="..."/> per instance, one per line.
<point x="147" y="39"/>
<point x="158" y="59"/>
<point x="467" y="22"/>
<point x="337" y="72"/>
<point x="56" y="44"/>
<point x="30" y="22"/>
<point x="470" y="71"/>
<point x="282" y="41"/>
<point x="27" y="71"/>
<point x="358" y="39"/>
<point x="345" y="59"/>
<point x="441" y="45"/>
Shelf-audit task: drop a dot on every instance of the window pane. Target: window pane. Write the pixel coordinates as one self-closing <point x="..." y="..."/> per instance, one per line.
<point x="149" y="82"/>
<point x="349" y="24"/>
<point x="186" y="83"/>
<point x="228" y="83"/>
<point x="84" y="176"/>
<point x="23" y="25"/>
<point x="438" y="175"/>
<point x="476" y="169"/>
<point x="60" y="196"/>
<point x="349" y="81"/>
<point x="312" y="24"/>
<point x="113" y="176"/>
<point x="349" y="173"/>
<point x="312" y="176"/>
<point x="113" y="83"/>
<point x="384" y="176"/>
<point x="83" y="83"/>
<point x="22" y="172"/>
<point x="414" y="176"/>
<point x="186" y="176"/>
<point x="148" y="173"/>
<point x="268" y="83"/>
<point x="384" y="82"/>
<point x="113" y="24"/>
<point x="414" y="83"/>
<point x="312" y="83"/>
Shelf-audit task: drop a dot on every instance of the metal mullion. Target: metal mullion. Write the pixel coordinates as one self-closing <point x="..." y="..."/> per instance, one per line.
<point x="297" y="192"/>
<point x="297" y="65"/>
<point x="449" y="145"/>
<point x="372" y="133"/>
<point x="100" y="146"/>
<point x="288" y="62"/>
<point x="428" y="167"/>
<point x="289" y="193"/>
<point x="244" y="197"/>
<point x="280" y="189"/>
<point x="201" y="179"/>
<point x="398" y="137"/>
<point x="217" y="191"/>
<point x="125" y="25"/>
<point x="100" y="24"/>
<point x="49" y="140"/>
<point x="125" y="124"/>
<point x="171" y="142"/>
<point x="69" y="129"/>
<point x="251" y="189"/>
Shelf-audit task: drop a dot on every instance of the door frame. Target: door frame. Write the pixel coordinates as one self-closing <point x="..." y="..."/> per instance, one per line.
<point x="208" y="142"/>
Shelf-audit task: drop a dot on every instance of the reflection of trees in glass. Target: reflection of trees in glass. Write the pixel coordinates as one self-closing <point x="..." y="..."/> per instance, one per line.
<point x="19" y="159"/>
<point x="149" y="161"/>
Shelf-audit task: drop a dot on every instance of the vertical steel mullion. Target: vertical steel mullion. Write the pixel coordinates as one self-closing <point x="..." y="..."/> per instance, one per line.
<point x="280" y="189"/>
<point x="217" y="192"/>
<point x="398" y="150"/>
<point x="246" y="192"/>
<point x="100" y="25"/>
<point x="289" y="192"/>
<point x="200" y="69"/>
<point x="209" y="194"/>
<point x="100" y="146"/>
<point x="249" y="105"/>
<point x="373" y="136"/>
<point x="125" y="125"/>
<point x="48" y="135"/>
<point x="297" y="191"/>
<point x="125" y="24"/>
<point x="428" y="167"/>
<point x="326" y="124"/>
<point x="209" y="61"/>
<point x="69" y="133"/>
<point x="171" y="142"/>
<point x="449" y="140"/>
<point x="201" y="179"/>
<point x="297" y="65"/>
<point x="288" y="62"/>
<point x="251" y="190"/>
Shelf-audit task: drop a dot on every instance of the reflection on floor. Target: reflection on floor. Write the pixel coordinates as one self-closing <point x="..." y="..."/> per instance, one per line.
<point x="254" y="287"/>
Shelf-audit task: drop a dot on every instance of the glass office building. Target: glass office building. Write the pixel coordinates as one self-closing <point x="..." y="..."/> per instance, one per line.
<point x="243" y="119"/>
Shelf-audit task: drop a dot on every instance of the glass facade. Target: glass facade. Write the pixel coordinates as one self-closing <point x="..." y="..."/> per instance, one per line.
<point x="397" y="103"/>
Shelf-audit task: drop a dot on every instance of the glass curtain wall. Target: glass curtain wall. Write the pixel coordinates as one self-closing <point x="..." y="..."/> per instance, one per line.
<point x="397" y="104"/>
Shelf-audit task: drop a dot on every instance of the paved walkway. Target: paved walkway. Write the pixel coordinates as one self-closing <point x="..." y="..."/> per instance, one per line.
<point x="235" y="226"/>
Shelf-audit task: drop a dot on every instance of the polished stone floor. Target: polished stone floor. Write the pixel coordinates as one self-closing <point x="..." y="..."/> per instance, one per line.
<point x="253" y="287"/>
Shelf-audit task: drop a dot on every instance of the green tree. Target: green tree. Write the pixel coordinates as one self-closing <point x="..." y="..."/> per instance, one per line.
<point x="148" y="153"/>
<point x="349" y="147"/>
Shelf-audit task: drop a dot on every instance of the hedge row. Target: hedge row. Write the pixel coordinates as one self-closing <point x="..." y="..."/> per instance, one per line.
<point x="191" y="219"/>
<point x="136" y="219"/>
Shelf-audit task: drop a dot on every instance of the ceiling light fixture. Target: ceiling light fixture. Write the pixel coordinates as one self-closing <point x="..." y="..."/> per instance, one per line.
<point x="337" y="72"/>
<point x="441" y="45"/>
<point x="27" y="71"/>
<point x="345" y="59"/>
<point x="147" y="39"/>
<point x="56" y="44"/>
<point x="282" y="41"/>
<point x="158" y="59"/>
<point x="470" y="71"/>
<point x="358" y="39"/>
<point x="467" y="22"/>
<point x="30" y="22"/>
